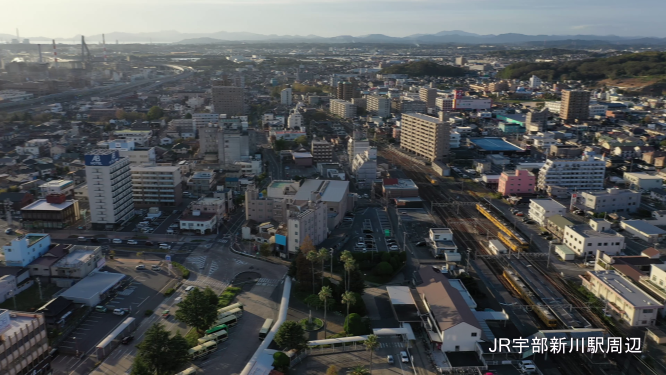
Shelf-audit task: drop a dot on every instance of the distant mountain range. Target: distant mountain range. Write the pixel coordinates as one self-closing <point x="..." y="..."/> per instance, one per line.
<point x="453" y="36"/>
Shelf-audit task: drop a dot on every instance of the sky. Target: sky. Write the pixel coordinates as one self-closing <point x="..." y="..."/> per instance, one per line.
<point x="67" y="18"/>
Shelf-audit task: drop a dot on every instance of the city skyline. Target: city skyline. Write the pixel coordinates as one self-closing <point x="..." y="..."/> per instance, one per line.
<point x="327" y="18"/>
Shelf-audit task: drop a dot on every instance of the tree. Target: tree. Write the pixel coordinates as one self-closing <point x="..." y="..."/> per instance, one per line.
<point x="323" y="255"/>
<point x="344" y="258"/>
<point x="112" y="253"/>
<point x="188" y="116"/>
<point x="160" y="353"/>
<point x="371" y="344"/>
<point x="265" y="249"/>
<point x="302" y="140"/>
<point x="197" y="311"/>
<point x="350" y="265"/>
<point x="324" y="294"/>
<point x="383" y="269"/>
<point x="120" y="114"/>
<point x="279" y="144"/>
<point x="332" y="370"/>
<point x="313" y="256"/>
<point x="213" y="298"/>
<point x="348" y="298"/>
<point x="281" y="361"/>
<point x="354" y="325"/>
<point x="154" y="113"/>
<point x="359" y="370"/>
<point x="356" y="281"/>
<point x="290" y="335"/>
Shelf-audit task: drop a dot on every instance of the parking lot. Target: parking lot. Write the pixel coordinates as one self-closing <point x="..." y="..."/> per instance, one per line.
<point x="141" y="293"/>
<point x="159" y="225"/>
<point x="368" y="231"/>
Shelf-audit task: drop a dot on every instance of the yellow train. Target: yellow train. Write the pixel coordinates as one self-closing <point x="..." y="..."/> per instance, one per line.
<point x="538" y="307"/>
<point x="510" y="243"/>
<point x="433" y="180"/>
<point x="522" y="244"/>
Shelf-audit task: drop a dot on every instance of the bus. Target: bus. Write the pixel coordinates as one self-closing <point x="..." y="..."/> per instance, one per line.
<point x="237" y="312"/>
<point x="188" y="371"/>
<point x="218" y="336"/>
<point x="230" y="307"/>
<point x="217" y="328"/>
<point x="265" y="328"/>
<point x="200" y="351"/>
<point x="229" y="320"/>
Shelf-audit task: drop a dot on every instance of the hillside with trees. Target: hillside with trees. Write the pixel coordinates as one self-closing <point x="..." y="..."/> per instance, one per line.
<point x="647" y="64"/>
<point x="425" y="68"/>
<point x="538" y="53"/>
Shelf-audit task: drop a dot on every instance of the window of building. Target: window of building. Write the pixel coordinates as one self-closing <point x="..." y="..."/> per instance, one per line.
<point x="473" y="334"/>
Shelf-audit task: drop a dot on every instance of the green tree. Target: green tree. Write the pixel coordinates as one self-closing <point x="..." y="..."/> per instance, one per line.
<point x="290" y="335"/>
<point x="313" y="256"/>
<point x="279" y="144"/>
<point x="302" y="140"/>
<point x="160" y="353"/>
<point x="345" y="257"/>
<point x="213" y="298"/>
<point x="359" y="370"/>
<point x="356" y="281"/>
<point x="354" y="325"/>
<point x="120" y="114"/>
<point x="323" y="255"/>
<point x="348" y="298"/>
<point x="332" y="370"/>
<point x="324" y="294"/>
<point x="154" y="113"/>
<point x="371" y="344"/>
<point x="383" y="269"/>
<point x="197" y="311"/>
<point x="350" y="265"/>
<point x="188" y="116"/>
<point x="281" y="361"/>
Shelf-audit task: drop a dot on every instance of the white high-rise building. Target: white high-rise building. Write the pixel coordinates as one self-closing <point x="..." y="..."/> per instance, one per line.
<point x="109" y="189"/>
<point x="295" y="120"/>
<point x="573" y="175"/>
<point x="535" y="82"/>
<point x="286" y="97"/>
<point x="379" y="105"/>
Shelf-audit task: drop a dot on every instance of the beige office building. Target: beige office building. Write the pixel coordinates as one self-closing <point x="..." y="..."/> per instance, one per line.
<point x="428" y="95"/>
<point x="24" y="346"/>
<point x="342" y="108"/>
<point x="426" y="136"/>
<point x="228" y="100"/>
<point x="157" y="186"/>
<point x="379" y="105"/>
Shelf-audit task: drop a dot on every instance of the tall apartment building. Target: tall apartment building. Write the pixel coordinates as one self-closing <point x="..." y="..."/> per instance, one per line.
<point x="342" y="108"/>
<point x="535" y="82"/>
<point x="203" y="119"/>
<point x="208" y="142"/>
<point x="575" y="105"/>
<point x="234" y="144"/>
<point x="322" y="151"/>
<point x="364" y="167"/>
<point x="355" y="147"/>
<point x="346" y="90"/>
<point x="286" y="96"/>
<point x="307" y="220"/>
<point x="428" y="95"/>
<point x="24" y="345"/>
<point x="109" y="189"/>
<point x="295" y="120"/>
<point x="444" y="104"/>
<point x="573" y="175"/>
<point x="379" y="105"/>
<point x="535" y="121"/>
<point x="156" y="186"/>
<point x="229" y="100"/>
<point x="426" y="136"/>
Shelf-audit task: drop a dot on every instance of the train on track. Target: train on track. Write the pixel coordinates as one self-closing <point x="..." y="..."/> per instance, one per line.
<point x="433" y="180"/>
<point x="538" y="307"/>
<point x="517" y="243"/>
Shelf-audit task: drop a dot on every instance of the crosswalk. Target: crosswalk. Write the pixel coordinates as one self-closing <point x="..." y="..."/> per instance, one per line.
<point x="240" y="262"/>
<point x="267" y="282"/>
<point x="198" y="261"/>
<point x="127" y="291"/>
<point x="391" y="344"/>
<point x="204" y="281"/>
<point x="213" y="267"/>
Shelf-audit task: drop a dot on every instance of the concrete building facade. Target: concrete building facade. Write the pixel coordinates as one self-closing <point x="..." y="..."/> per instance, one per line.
<point x="425" y="136"/>
<point x="109" y="189"/>
<point x="228" y="100"/>
<point x="519" y="182"/>
<point x="342" y="108"/>
<point x="157" y="186"/>
<point x="572" y="174"/>
<point x="379" y="105"/>
<point x="611" y="200"/>
<point x="575" y="105"/>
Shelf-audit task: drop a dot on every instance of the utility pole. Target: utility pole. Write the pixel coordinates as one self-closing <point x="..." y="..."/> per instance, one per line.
<point x="550" y="247"/>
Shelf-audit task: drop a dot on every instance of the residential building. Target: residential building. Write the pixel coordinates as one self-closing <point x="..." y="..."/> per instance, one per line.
<point x="642" y="181"/>
<point x="425" y="136"/>
<point x="444" y="104"/>
<point x="572" y="174"/>
<point x="137" y="137"/>
<point x="575" y="105"/>
<point x="597" y="110"/>
<point x="20" y="251"/>
<point x="307" y="220"/>
<point x="450" y="321"/>
<point x="399" y="188"/>
<point x="542" y="209"/>
<point x="54" y="212"/>
<point x="379" y="105"/>
<point x="428" y="95"/>
<point x="536" y="120"/>
<point x="250" y="167"/>
<point x="556" y="225"/>
<point x="77" y="264"/>
<point x="356" y="146"/>
<point x="136" y="155"/>
<point x="234" y="143"/>
<point x="342" y="108"/>
<point x="229" y="100"/>
<point x="286" y="96"/>
<point x="520" y="182"/>
<point x="18" y="200"/>
<point x="624" y="300"/>
<point x="409" y="104"/>
<point x="199" y="222"/>
<point x="643" y="230"/>
<point x="109" y="189"/>
<point x="56" y="187"/>
<point x="454" y="139"/>
<point x="34" y="147"/>
<point x="558" y="150"/>
<point x="295" y="120"/>
<point x="202" y="182"/>
<point x="24" y="345"/>
<point x="364" y="168"/>
<point x="586" y="239"/>
<point x="610" y="200"/>
<point x="157" y="186"/>
<point x="56" y="312"/>
<point x="535" y="82"/>
<point x="441" y="244"/>
<point x="217" y="206"/>
<point x="346" y="90"/>
<point x="322" y="151"/>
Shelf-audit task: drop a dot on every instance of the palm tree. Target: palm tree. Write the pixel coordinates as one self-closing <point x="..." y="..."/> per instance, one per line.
<point x="344" y="258"/>
<point x="359" y="370"/>
<point x="324" y="294"/>
<point x="312" y="256"/>
<point x="371" y="344"/>
<point x="349" y="266"/>
<point x="349" y="298"/>
<point x="323" y="255"/>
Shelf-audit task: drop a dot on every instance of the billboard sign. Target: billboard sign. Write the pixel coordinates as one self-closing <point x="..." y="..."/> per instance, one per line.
<point x="281" y="240"/>
<point x="102" y="160"/>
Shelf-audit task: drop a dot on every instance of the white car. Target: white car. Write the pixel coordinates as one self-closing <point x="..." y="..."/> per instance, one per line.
<point x="132" y="242"/>
<point x="165" y="246"/>
<point x="173" y="226"/>
<point x="117" y="240"/>
<point x="393" y="247"/>
<point x="403" y="357"/>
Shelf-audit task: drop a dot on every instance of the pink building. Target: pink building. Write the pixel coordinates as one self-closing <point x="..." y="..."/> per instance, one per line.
<point x="517" y="183"/>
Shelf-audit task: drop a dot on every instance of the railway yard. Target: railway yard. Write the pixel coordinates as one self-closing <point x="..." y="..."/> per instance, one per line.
<point x="540" y="291"/>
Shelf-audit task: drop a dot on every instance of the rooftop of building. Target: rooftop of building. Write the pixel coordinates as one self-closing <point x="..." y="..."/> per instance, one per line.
<point x="76" y="257"/>
<point x="96" y="282"/>
<point x="441" y="230"/>
<point x="625" y="288"/>
<point x="160" y="168"/>
<point x="203" y="216"/>
<point x="586" y="231"/>
<point x="548" y="204"/>
<point x="43" y="205"/>
<point x="331" y="190"/>
<point x="101" y="151"/>
<point x="19" y="322"/>
<point x="57" y="183"/>
<point x="560" y="221"/>
<point x="644" y="227"/>
<point x="494" y="144"/>
<point x="643" y="175"/>
<point x="398" y="183"/>
<point x="610" y="191"/>
<point x="420" y="116"/>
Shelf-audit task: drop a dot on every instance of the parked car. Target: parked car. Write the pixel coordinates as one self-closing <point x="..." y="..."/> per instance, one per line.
<point x="436" y="269"/>
<point x="120" y="312"/>
<point x="117" y="240"/>
<point x="9" y="231"/>
<point x="590" y="263"/>
<point x="389" y="359"/>
<point x="189" y="288"/>
<point x="394" y="247"/>
<point x="421" y="243"/>
<point x="140" y="267"/>
<point x="519" y="214"/>
<point x="155" y="267"/>
<point x="165" y="246"/>
<point x="367" y="231"/>
<point x="403" y="357"/>
<point x="100" y="308"/>
<point x="132" y="242"/>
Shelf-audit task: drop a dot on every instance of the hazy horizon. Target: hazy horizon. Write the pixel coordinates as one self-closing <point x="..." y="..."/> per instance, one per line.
<point x="328" y="18"/>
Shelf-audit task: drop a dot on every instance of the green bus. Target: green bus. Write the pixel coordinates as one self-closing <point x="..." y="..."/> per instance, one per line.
<point x="229" y="320"/>
<point x="218" y="336"/>
<point x="265" y="328"/>
<point x="237" y="312"/>
<point x="230" y="307"/>
<point x="217" y="328"/>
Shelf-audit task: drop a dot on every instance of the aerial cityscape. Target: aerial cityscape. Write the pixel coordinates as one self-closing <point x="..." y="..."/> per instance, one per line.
<point x="301" y="196"/>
